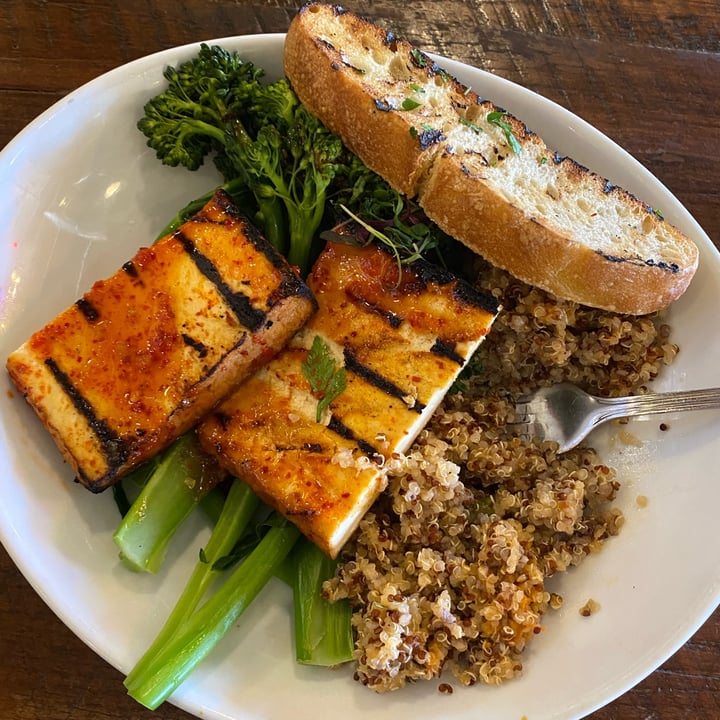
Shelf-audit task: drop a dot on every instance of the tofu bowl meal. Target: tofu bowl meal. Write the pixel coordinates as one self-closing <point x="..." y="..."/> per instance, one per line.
<point x="540" y="579"/>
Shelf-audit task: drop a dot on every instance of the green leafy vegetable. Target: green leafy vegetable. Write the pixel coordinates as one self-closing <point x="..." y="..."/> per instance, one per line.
<point x="496" y="118"/>
<point x="121" y="499"/>
<point x="260" y="136"/>
<point x="196" y="637"/>
<point x="174" y="489"/>
<point x="240" y="505"/>
<point x="293" y="178"/>
<point x="237" y="189"/>
<point x="323" y="631"/>
<point x="407" y="243"/>
<point x="419" y="58"/>
<point x="326" y="380"/>
<point x="381" y="212"/>
<point x="410" y="104"/>
<point x="265" y="520"/>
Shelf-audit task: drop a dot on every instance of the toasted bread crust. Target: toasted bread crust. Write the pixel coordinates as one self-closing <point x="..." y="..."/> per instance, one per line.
<point x="543" y="256"/>
<point x="480" y="173"/>
<point x="333" y="88"/>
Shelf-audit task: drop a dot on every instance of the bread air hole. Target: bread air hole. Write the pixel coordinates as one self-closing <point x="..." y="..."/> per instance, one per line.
<point x="552" y="191"/>
<point x="381" y="55"/>
<point x="583" y="205"/>
<point x="398" y="69"/>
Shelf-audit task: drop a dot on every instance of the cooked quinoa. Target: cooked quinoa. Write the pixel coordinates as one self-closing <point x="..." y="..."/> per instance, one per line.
<point x="448" y="570"/>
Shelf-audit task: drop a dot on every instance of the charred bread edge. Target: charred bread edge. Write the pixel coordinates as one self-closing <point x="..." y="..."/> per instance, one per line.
<point x="502" y="233"/>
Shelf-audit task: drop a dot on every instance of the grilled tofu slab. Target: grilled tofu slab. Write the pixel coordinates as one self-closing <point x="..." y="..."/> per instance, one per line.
<point x="401" y="336"/>
<point x="144" y="354"/>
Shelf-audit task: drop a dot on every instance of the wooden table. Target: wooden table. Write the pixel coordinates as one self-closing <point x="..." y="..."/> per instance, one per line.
<point x="645" y="72"/>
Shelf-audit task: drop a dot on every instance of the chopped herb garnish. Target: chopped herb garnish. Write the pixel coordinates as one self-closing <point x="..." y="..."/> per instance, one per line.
<point x="410" y="104"/>
<point x="471" y="125"/>
<point x="413" y="131"/>
<point x="408" y="242"/>
<point x="417" y="88"/>
<point x="543" y="160"/>
<point x="326" y="380"/>
<point x="419" y="59"/>
<point x="496" y="118"/>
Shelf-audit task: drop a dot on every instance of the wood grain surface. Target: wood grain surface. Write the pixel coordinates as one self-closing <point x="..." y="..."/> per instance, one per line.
<point x="645" y="72"/>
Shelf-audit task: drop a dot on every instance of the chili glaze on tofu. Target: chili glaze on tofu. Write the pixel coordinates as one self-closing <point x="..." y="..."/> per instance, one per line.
<point x="144" y="354"/>
<point x="401" y="335"/>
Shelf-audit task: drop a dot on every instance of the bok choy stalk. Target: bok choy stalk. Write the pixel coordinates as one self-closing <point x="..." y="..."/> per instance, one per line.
<point x="323" y="631"/>
<point x="201" y="632"/>
<point x="176" y="485"/>
<point x="239" y="507"/>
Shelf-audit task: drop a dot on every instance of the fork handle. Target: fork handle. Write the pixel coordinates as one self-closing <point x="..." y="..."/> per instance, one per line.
<point x="610" y="408"/>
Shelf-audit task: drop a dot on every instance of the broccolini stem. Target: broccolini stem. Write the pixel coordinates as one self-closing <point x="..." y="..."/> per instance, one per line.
<point x="323" y="630"/>
<point x="203" y="630"/>
<point x="170" y="495"/>
<point x="304" y="224"/>
<point x="271" y="219"/>
<point x="238" y="509"/>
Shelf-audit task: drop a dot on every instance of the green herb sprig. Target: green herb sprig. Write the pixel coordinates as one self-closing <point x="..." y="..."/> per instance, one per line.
<point x="410" y="104"/>
<point x="326" y="380"/>
<point x="496" y="118"/>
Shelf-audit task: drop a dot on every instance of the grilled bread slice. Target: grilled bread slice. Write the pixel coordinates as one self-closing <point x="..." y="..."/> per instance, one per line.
<point x="481" y="174"/>
<point x="144" y="354"/>
<point x="400" y="337"/>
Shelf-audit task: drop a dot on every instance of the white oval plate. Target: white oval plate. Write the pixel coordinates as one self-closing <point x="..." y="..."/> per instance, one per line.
<point x="80" y="192"/>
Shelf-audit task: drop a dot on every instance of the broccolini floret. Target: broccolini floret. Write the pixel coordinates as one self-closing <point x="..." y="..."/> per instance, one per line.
<point x="258" y="133"/>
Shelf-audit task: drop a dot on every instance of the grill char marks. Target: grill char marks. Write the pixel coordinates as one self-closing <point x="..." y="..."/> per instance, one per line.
<point x="392" y="319"/>
<point x="401" y="340"/>
<point x="238" y="302"/>
<point x="146" y="352"/>
<point x="196" y="345"/>
<point x="464" y="292"/>
<point x="291" y="286"/>
<point x="115" y="449"/>
<point x="353" y="365"/>
<point x="87" y="309"/>
<point x="447" y="350"/>
<point x="346" y="433"/>
<point x="130" y="269"/>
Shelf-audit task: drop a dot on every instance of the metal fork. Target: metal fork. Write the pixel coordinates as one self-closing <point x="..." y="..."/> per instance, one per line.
<point x="566" y="414"/>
